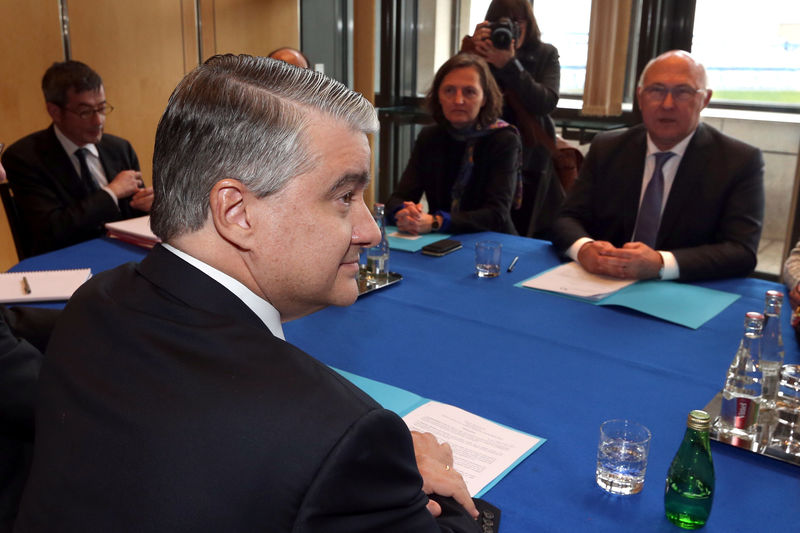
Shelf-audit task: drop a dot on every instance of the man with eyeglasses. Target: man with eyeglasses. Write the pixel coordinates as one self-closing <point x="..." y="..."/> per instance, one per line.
<point x="670" y="198"/>
<point x="71" y="178"/>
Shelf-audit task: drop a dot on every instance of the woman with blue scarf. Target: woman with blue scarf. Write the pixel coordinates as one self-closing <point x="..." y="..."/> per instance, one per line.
<point x="467" y="164"/>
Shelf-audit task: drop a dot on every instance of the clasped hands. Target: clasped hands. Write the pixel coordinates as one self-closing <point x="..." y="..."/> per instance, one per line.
<point x="129" y="183"/>
<point x="412" y="219"/>
<point x="635" y="260"/>
<point x="435" y="464"/>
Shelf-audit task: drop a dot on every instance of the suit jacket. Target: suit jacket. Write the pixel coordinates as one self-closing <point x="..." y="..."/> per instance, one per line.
<point x="713" y="215"/>
<point x="433" y="167"/>
<point x="54" y="205"/>
<point x="24" y="332"/>
<point x="193" y="417"/>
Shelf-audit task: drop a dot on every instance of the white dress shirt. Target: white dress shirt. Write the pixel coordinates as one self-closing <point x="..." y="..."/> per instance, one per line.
<point x="669" y="170"/>
<point x="92" y="161"/>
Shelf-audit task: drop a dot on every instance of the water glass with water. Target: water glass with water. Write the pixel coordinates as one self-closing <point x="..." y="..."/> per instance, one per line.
<point x="487" y="258"/>
<point x="622" y="456"/>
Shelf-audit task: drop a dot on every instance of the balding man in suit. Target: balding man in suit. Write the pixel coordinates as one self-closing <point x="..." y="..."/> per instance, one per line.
<point x="670" y="198"/>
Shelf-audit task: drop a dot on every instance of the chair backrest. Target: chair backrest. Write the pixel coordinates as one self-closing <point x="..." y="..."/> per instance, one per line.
<point x="18" y="229"/>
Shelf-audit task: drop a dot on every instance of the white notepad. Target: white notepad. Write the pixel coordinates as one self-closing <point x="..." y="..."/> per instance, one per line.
<point x="45" y="285"/>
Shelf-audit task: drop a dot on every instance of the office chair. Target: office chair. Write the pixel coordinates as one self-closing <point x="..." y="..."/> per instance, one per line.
<point x="18" y="230"/>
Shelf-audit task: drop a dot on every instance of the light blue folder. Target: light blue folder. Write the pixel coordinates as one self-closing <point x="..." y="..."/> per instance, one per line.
<point x="687" y="305"/>
<point x="412" y="245"/>
<point x="403" y="402"/>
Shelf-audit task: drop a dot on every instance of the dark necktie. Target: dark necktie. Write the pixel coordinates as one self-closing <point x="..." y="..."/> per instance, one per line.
<point x="86" y="176"/>
<point x="649" y="215"/>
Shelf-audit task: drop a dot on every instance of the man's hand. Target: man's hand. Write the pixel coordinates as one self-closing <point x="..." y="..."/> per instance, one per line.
<point x="411" y="219"/>
<point x="635" y="260"/>
<point x="435" y="464"/>
<point x="794" y="296"/>
<point x="126" y="183"/>
<point x="590" y="256"/>
<point x="484" y="47"/>
<point x="143" y="199"/>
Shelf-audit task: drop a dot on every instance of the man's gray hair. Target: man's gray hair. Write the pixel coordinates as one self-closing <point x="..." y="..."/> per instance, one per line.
<point x="246" y="118"/>
<point x="697" y="67"/>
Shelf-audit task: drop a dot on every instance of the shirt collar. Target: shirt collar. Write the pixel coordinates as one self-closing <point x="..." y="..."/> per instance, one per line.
<point x="262" y="308"/>
<point x="679" y="149"/>
<point x="70" y="147"/>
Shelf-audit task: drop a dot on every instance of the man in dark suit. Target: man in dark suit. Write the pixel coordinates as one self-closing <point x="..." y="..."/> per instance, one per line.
<point x="669" y="199"/>
<point x="197" y="415"/>
<point x="24" y="333"/>
<point x="71" y="178"/>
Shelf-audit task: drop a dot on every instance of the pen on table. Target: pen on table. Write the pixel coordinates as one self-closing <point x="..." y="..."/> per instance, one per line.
<point x="26" y="287"/>
<point x="513" y="264"/>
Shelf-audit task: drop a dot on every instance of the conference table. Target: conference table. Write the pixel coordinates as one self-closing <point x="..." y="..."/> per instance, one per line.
<point x="546" y="365"/>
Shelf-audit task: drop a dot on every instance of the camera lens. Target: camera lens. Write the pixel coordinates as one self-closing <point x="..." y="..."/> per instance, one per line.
<point x="501" y="38"/>
<point x="504" y="31"/>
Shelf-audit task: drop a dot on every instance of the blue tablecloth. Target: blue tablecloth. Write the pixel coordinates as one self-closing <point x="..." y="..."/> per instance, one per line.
<point x="547" y="365"/>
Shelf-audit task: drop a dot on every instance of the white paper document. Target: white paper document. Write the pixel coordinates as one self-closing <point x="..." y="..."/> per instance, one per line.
<point x="42" y="285"/>
<point x="570" y="278"/>
<point x="482" y="449"/>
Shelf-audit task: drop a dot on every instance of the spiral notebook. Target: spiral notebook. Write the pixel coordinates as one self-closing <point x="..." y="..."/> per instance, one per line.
<point x="41" y="285"/>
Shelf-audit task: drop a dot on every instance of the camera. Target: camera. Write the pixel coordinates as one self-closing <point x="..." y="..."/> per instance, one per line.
<point x="504" y="30"/>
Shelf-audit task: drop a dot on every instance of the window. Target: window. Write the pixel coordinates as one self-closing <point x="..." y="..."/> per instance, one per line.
<point x="570" y="35"/>
<point x="751" y="52"/>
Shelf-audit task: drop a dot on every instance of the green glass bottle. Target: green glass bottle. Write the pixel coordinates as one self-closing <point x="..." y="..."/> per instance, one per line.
<point x="690" y="480"/>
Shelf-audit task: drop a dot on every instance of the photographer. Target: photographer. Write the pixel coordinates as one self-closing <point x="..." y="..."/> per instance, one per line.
<point x="528" y="72"/>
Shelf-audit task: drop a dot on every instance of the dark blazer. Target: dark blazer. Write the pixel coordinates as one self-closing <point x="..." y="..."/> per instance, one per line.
<point x="54" y="205"/>
<point x="533" y="79"/>
<point x="193" y="417"/>
<point x="24" y="332"/>
<point x="434" y="165"/>
<point x="713" y="216"/>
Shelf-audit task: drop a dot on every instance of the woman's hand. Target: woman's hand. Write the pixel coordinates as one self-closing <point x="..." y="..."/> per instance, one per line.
<point x="411" y="219"/>
<point x="484" y="47"/>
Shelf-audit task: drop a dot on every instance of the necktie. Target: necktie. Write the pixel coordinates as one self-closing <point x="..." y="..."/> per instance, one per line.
<point x="86" y="176"/>
<point x="649" y="215"/>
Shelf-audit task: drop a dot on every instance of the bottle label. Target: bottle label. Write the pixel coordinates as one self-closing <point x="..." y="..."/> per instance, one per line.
<point x="745" y="413"/>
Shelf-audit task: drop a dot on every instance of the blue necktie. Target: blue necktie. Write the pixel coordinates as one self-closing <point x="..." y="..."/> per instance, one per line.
<point x="649" y="215"/>
<point x="86" y="176"/>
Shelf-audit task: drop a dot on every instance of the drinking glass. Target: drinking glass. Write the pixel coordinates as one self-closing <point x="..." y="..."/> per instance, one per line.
<point x="487" y="258"/>
<point x="622" y="456"/>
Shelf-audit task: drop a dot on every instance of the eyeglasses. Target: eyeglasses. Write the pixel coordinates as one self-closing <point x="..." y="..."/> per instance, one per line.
<point x="681" y="93"/>
<point x="88" y="113"/>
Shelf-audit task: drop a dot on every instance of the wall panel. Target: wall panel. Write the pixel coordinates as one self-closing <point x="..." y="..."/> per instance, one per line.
<point x="30" y="41"/>
<point x="138" y="49"/>
<point x="253" y="26"/>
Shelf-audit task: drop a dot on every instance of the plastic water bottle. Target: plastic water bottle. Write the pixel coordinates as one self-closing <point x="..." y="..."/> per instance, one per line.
<point x="690" y="480"/>
<point x="771" y="349"/>
<point x="378" y="256"/>
<point x="741" y="397"/>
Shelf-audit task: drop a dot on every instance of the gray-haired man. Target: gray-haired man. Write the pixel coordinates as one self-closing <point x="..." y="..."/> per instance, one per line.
<point x="198" y="416"/>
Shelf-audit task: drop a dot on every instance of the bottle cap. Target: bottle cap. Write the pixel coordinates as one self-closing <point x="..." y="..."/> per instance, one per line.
<point x="773" y="301"/>
<point x="698" y="420"/>
<point x="753" y="322"/>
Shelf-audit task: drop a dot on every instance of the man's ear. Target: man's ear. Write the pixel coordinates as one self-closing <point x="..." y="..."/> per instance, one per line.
<point x="228" y="202"/>
<point x="54" y="111"/>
